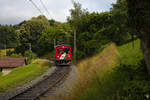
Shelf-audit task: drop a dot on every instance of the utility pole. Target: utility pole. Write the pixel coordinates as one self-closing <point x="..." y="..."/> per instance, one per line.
<point x="29" y="45"/>
<point x="5" y="50"/>
<point x="75" y="48"/>
<point x="54" y="43"/>
<point x="5" y="45"/>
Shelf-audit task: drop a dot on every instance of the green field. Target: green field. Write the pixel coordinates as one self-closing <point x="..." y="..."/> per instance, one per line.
<point x="125" y="78"/>
<point x="22" y="75"/>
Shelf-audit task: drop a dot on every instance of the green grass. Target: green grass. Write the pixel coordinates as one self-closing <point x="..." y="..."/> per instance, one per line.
<point x="0" y="74"/>
<point x="130" y="55"/>
<point x="90" y="70"/>
<point x="127" y="80"/>
<point x="22" y="75"/>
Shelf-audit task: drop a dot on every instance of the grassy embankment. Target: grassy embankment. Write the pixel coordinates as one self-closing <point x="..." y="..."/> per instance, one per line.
<point x="92" y="69"/>
<point x="24" y="74"/>
<point x="116" y="73"/>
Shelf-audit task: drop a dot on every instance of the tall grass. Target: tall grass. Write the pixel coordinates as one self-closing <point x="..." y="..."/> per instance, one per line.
<point x="130" y="79"/>
<point x="91" y="70"/>
<point x="113" y="75"/>
<point x="23" y="74"/>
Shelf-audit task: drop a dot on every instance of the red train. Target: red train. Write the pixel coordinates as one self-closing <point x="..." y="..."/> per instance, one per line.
<point x="63" y="54"/>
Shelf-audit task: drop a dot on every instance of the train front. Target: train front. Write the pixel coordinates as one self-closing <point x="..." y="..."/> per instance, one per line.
<point x="63" y="55"/>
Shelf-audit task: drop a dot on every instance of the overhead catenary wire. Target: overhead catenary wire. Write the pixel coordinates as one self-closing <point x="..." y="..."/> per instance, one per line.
<point x="36" y="6"/>
<point x="45" y="8"/>
<point x="109" y="2"/>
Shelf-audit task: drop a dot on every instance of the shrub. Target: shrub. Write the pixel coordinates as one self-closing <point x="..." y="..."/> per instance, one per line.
<point x="30" y="56"/>
<point x="138" y="87"/>
<point x="15" y="55"/>
<point x="127" y="82"/>
<point x="9" y="52"/>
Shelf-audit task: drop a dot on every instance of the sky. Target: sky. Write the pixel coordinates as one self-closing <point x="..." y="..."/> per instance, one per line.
<point x="16" y="11"/>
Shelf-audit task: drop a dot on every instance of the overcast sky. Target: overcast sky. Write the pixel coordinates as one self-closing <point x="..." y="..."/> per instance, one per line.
<point x="15" y="11"/>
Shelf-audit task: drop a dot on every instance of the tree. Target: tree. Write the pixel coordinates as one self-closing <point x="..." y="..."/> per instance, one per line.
<point x="120" y="21"/>
<point x="8" y="37"/>
<point x="75" y="20"/>
<point x="52" y="22"/>
<point x="17" y="26"/>
<point x="139" y="18"/>
<point x="46" y="40"/>
<point x="77" y="14"/>
<point x="30" y="56"/>
<point x="95" y="30"/>
<point x="31" y="31"/>
<point x="61" y="33"/>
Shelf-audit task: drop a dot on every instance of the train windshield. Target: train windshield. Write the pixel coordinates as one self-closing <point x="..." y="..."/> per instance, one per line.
<point x="60" y="51"/>
<point x="66" y="50"/>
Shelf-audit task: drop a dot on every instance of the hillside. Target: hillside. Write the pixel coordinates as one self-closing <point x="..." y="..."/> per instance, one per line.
<point x="116" y="73"/>
<point x="91" y="71"/>
<point x="22" y="75"/>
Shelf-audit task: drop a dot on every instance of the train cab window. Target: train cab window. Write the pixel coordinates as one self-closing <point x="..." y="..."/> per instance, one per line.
<point x="60" y="51"/>
<point x="66" y="50"/>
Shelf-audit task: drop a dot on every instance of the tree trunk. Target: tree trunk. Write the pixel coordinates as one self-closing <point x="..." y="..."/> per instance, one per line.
<point x="145" y="46"/>
<point x="139" y="14"/>
<point x="145" y="31"/>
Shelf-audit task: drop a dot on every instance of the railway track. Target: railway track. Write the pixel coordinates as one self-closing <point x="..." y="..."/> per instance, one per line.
<point x="42" y="87"/>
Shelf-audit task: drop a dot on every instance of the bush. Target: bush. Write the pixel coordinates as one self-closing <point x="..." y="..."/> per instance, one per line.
<point x="9" y="52"/>
<point x="128" y="82"/>
<point x="30" y="56"/>
<point x="15" y="55"/>
<point x="138" y="87"/>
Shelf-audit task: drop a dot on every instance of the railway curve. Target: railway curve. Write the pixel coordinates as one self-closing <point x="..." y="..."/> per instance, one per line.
<point x="35" y="91"/>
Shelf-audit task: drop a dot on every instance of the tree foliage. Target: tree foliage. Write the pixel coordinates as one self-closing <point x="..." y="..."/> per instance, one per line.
<point x="8" y="37"/>
<point x="94" y="30"/>
<point x="61" y="33"/>
<point x="30" y="56"/>
<point x="120" y="21"/>
<point x="139" y="16"/>
<point x="31" y="31"/>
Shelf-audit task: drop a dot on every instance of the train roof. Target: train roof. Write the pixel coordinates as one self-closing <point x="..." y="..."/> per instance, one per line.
<point x="63" y="45"/>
